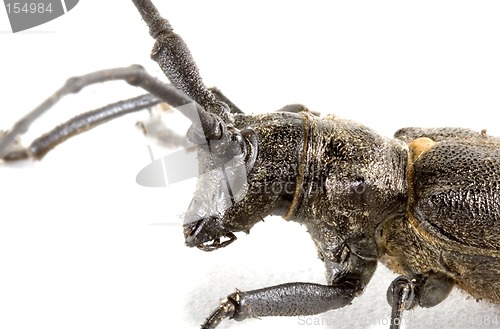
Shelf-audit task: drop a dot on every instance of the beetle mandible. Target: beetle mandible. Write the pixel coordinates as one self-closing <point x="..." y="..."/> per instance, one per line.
<point x="362" y="180"/>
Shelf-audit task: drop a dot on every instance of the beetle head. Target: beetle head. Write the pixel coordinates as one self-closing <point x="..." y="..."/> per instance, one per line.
<point x="242" y="184"/>
<point x="223" y="168"/>
<point x="229" y="196"/>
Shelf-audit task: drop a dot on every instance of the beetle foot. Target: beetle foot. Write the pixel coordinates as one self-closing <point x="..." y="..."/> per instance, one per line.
<point x="226" y="309"/>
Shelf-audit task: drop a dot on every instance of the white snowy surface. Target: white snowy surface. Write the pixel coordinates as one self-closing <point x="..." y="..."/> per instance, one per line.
<point x="83" y="246"/>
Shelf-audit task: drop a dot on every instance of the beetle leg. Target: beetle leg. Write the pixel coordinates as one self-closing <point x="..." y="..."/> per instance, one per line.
<point x="289" y="299"/>
<point x="345" y="281"/>
<point x="401" y="296"/>
<point x="225" y="309"/>
<point x="432" y="288"/>
<point x="425" y="290"/>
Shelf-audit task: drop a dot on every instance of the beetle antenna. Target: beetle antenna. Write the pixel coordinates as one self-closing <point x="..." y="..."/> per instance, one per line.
<point x="174" y="58"/>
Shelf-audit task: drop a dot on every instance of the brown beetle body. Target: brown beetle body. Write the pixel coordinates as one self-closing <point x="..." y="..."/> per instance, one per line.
<point x="412" y="202"/>
<point x="453" y="218"/>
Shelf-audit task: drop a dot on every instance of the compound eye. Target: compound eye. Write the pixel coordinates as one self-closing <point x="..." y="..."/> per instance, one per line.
<point x="251" y="143"/>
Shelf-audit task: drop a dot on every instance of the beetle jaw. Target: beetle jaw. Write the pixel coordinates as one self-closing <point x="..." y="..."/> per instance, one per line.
<point x="207" y="234"/>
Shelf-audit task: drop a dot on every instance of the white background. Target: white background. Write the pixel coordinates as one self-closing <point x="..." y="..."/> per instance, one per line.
<point x="83" y="246"/>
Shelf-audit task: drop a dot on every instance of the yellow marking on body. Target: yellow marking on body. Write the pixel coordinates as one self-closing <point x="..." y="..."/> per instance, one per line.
<point x="417" y="147"/>
<point x="420" y="146"/>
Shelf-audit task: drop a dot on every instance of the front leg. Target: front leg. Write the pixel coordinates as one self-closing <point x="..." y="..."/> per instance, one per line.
<point x="289" y="299"/>
<point x="297" y="298"/>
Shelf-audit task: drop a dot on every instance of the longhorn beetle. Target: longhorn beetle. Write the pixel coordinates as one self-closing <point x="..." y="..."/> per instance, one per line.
<point x="355" y="204"/>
